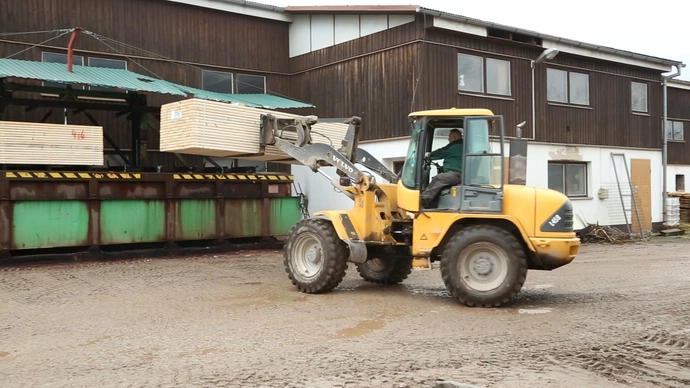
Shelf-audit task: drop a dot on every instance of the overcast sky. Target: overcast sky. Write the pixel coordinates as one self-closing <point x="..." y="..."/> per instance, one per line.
<point x="645" y="27"/>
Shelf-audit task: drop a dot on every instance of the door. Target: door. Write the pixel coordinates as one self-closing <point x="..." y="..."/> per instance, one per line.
<point x="482" y="183"/>
<point x="640" y="177"/>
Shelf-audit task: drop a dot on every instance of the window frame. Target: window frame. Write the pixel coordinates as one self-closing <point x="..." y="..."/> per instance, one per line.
<point x="236" y="85"/>
<point x="232" y="80"/>
<point x="673" y="132"/>
<point x="646" y="97"/>
<point x="568" y="87"/>
<point x="485" y="76"/>
<point x="565" y="164"/>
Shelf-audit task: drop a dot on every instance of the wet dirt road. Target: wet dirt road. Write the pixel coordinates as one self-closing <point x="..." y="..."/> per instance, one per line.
<point x="619" y="316"/>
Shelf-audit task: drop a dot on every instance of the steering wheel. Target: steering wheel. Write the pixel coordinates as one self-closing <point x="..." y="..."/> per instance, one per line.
<point x="439" y="168"/>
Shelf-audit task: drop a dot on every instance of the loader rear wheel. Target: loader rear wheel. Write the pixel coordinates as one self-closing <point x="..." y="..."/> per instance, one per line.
<point x="483" y="266"/>
<point x="385" y="271"/>
<point x="315" y="257"/>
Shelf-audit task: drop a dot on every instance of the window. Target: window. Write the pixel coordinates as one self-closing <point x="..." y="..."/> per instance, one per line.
<point x="680" y="182"/>
<point x="567" y="87"/>
<point x="223" y="82"/>
<point x="61" y="58"/>
<point x="251" y="84"/>
<point x="674" y="130"/>
<point x="107" y="63"/>
<point x="480" y="75"/>
<point x="216" y="81"/>
<point x="398" y="165"/>
<point x="568" y="178"/>
<point x="639" y="96"/>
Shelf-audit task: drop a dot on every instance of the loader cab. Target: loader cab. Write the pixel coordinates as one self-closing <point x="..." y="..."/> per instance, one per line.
<point x="482" y="163"/>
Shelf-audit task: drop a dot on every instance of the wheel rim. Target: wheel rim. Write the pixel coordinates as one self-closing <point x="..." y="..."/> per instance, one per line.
<point x="483" y="266"/>
<point x="307" y="257"/>
<point x="378" y="265"/>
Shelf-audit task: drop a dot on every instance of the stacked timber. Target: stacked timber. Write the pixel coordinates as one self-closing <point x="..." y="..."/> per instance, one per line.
<point x="52" y="144"/>
<point x="211" y="128"/>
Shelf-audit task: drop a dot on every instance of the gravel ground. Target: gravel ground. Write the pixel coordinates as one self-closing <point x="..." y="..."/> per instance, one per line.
<point x="618" y="316"/>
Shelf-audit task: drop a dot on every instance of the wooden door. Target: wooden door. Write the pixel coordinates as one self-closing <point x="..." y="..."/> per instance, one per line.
<point x="641" y="178"/>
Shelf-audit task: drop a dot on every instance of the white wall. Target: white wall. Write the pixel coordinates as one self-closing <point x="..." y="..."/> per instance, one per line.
<point x="592" y="209"/>
<point x="674" y="170"/>
<point x="313" y="32"/>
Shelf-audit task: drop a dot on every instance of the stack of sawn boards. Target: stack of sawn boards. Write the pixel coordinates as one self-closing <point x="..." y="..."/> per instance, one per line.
<point x="218" y="129"/>
<point x="26" y="143"/>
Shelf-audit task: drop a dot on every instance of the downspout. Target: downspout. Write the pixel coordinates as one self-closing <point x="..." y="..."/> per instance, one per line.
<point x="664" y="152"/>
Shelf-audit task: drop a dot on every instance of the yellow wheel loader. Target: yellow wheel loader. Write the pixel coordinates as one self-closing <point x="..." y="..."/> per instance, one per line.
<point x="485" y="232"/>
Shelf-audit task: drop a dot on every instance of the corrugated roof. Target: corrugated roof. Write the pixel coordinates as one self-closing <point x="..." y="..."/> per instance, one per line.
<point x="131" y="81"/>
<point x="85" y="75"/>
<point x="265" y="101"/>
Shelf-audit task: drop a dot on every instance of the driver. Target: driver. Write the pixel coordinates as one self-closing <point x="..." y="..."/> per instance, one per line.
<point x="451" y="154"/>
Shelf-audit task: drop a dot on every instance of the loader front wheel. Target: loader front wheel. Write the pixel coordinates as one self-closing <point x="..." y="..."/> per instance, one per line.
<point x="315" y="257"/>
<point x="385" y="271"/>
<point x="483" y="266"/>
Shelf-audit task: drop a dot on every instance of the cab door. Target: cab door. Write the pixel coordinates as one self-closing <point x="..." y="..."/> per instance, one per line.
<point x="482" y="184"/>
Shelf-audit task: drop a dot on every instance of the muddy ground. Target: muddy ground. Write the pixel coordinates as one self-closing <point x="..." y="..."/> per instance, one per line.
<point x="619" y="316"/>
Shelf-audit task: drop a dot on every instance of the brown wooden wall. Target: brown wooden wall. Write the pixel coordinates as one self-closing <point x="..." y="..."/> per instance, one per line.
<point x="375" y="77"/>
<point x="679" y="109"/>
<point x="380" y="77"/>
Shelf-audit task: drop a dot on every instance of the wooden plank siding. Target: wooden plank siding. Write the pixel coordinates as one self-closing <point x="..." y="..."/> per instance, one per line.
<point x="376" y="87"/>
<point x="679" y="109"/>
<point x="186" y="33"/>
<point x="380" y="77"/>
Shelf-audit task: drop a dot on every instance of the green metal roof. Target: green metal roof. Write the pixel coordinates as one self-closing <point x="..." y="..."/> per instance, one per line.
<point x="265" y="101"/>
<point x="131" y="81"/>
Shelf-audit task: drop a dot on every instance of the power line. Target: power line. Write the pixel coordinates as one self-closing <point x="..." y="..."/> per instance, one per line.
<point x="114" y="41"/>
<point x="39" y="44"/>
<point x="32" y="32"/>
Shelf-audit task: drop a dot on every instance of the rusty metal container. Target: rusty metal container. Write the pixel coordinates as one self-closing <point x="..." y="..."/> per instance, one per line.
<point x="40" y="210"/>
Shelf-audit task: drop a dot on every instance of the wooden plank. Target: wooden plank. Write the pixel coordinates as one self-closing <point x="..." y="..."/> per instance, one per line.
<point x="210" y="128"/>
<point x="53" y="144"/>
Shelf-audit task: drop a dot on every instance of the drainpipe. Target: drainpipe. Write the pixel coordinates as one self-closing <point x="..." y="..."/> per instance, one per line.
<point x="664" y="152"/>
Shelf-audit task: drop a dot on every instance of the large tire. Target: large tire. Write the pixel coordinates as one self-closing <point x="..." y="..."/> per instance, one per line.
<point x="385" y="271"/>
<point x="483" y="266"/>
<point x="315" y="257"/>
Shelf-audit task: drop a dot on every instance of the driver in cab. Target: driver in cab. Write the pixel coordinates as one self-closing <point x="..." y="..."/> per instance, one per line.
<point x="452" y="154"/>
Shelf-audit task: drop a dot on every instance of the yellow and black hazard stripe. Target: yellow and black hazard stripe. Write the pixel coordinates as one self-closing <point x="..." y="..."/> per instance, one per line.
<point x="233" y="177"/>
<point x="59" y="175"/>
<point x="69" y="175"/>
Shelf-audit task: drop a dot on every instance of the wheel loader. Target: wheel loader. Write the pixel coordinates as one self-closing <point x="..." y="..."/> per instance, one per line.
<point x="485" y="233"/>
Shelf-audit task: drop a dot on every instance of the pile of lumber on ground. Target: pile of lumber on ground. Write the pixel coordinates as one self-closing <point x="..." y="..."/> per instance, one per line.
<point x="54" y="144"/>
<point x="211" y="128"/>
<point x="595" y="233"/>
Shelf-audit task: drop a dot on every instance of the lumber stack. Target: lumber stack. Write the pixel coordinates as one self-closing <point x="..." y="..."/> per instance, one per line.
<point x="52" y="144"/>
<point x="211" y="128"/>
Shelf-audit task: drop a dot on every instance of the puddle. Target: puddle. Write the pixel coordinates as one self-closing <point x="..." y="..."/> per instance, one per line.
<point x="534" y="311"/>
<point x="363" y="328"/>
<point x="4" y="354"/>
